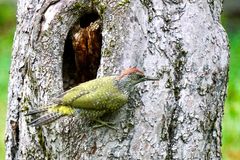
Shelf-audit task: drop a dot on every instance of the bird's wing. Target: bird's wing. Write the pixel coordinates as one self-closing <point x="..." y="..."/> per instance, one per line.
<point x="66" y="98"/>
<point x="105" y="97"/>
<point x="83" y="90"/>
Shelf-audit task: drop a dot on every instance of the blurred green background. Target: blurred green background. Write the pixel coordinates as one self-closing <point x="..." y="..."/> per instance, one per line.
<point x="231" y="121"/>
<point x="7" y="27"/>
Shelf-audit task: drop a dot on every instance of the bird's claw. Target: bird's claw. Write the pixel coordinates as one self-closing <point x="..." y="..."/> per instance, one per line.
<point x="106" y="124"/>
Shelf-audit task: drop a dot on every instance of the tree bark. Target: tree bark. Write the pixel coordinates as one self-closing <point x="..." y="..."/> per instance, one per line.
<point x="177" y="117"/>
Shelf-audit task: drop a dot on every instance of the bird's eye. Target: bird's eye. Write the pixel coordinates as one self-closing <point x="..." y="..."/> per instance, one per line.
<point x="138" y="76"/>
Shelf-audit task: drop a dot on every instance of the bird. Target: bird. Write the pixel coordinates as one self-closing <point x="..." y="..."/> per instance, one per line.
<point x="92" y="99"/>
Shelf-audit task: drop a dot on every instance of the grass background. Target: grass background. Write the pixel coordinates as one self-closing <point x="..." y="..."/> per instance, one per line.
<point x="7" y="28"/>
<point x="231" y="121"/>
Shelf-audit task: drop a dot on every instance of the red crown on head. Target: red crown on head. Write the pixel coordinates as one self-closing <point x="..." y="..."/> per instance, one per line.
<point x="129" y="71"/>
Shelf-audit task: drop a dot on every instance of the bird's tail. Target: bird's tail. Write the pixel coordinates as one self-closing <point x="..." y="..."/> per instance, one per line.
<point x="38" y="110"/>
<point x="53" y="113"/>
<point x="45" y="119"/>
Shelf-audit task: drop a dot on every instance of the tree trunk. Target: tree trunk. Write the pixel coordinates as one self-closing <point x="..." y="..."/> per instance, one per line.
<point x="177" y="117"/>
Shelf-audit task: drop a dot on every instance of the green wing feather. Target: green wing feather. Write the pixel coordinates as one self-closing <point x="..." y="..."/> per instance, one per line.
<point x="96" y="94"/>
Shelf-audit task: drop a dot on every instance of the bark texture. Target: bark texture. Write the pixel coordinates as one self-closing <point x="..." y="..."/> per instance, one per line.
<point x="177" y="117"/>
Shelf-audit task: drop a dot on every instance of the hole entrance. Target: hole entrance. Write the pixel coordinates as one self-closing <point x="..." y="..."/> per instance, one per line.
<point x="88" y="18"/>
<point x="82" y="51"/>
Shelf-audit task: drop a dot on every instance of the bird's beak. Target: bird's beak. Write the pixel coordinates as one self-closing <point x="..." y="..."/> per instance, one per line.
<point x="149" y="79"/>
<point x="146" y="79"/>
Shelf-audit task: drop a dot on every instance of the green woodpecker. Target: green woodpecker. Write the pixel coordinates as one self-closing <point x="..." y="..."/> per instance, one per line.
<point x="92" y="99"/>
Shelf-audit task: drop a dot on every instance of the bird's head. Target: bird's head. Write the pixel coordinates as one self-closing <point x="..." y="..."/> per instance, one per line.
<point x="132" y="76"/>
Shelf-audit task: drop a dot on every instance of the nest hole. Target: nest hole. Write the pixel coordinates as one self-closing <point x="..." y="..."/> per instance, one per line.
<point x="82" y="51"/>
